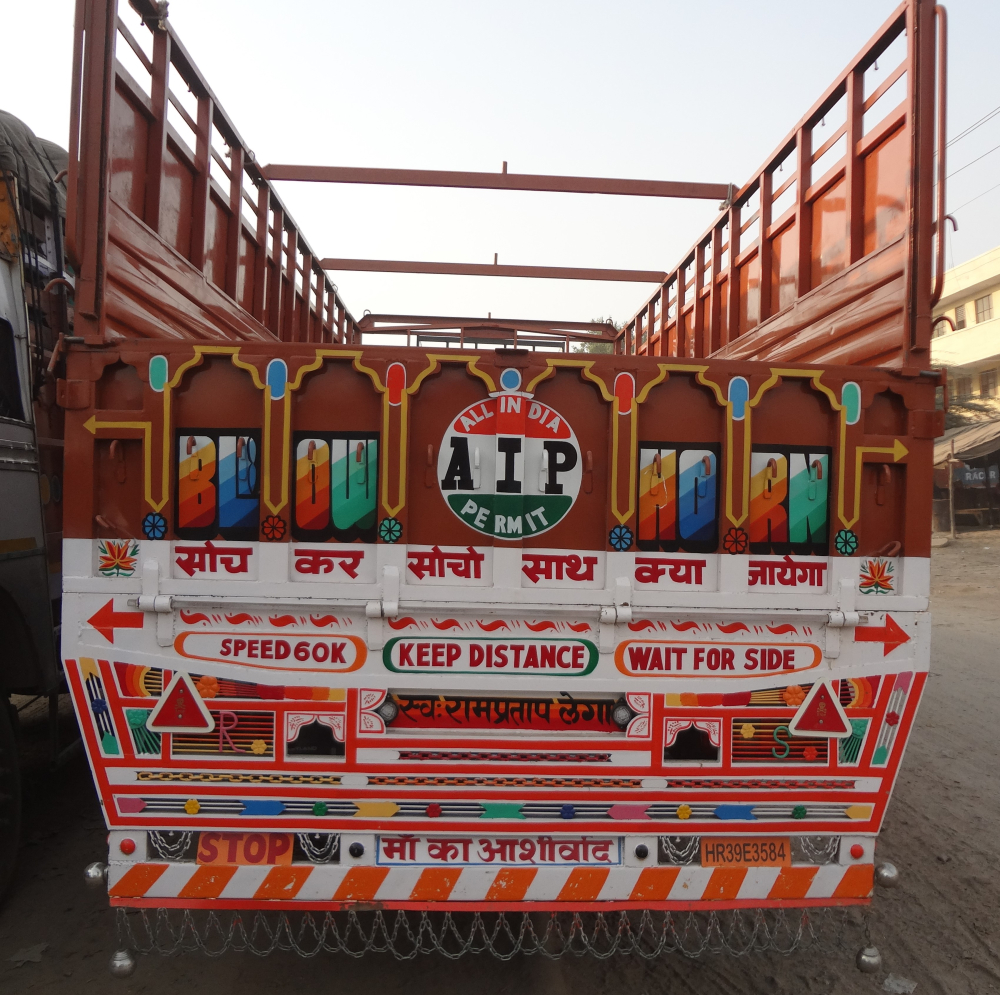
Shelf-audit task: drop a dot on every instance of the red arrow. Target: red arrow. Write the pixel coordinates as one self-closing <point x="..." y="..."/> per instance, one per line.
<point x="890" y="634"/>
<point x="106" y="620"/>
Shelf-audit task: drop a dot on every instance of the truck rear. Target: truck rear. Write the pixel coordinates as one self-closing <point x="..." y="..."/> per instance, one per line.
<point x="350" y="625"/>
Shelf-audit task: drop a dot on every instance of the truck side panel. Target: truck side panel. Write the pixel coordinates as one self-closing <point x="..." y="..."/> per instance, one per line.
<point x="832" y="257"/>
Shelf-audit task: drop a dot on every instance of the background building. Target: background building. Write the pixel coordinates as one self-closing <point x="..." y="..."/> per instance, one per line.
<point x="970" y="346"/>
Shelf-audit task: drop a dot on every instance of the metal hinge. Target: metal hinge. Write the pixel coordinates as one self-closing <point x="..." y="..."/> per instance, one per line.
<point x="152" y="601"/>
<point x="618" y="613"/>
<point x="846" y="616"/>
<point x="387" y="607"/>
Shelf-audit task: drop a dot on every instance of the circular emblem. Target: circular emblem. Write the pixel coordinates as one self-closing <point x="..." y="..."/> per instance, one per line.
<point x="509" y="466"/>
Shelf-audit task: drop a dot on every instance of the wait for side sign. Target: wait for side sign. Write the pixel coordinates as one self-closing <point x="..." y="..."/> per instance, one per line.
<point x="652" y="657"/>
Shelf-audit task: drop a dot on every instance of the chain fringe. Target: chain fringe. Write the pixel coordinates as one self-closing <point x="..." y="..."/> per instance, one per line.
<point x="453" y="935"/>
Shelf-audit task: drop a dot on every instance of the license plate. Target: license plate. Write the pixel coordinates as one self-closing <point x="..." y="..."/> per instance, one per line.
<point x="745" y="851"/>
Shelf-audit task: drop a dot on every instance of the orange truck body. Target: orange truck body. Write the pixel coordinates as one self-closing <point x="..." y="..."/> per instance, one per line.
<point x="485" y="628"/>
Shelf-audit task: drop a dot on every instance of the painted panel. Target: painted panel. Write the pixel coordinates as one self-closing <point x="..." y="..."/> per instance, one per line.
<point x="784" y="268"/>
<point x="749" y="316"/>
<point x="830" y="253"/>
<point x="218" y="485"/>
<point x="886" y="169"/>
<point x="129" y="137"/>
<point x="336" y="486"/>
<point x="196" y="496"/>
<point x="789" y="508"/>
<point x="678" y="497"/>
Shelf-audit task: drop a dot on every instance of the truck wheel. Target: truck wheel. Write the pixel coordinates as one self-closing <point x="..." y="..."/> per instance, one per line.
<point x="10" y="795"/>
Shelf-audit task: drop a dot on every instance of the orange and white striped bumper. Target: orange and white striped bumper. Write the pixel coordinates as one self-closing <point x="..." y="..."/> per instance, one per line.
<point x="485" y="888"/>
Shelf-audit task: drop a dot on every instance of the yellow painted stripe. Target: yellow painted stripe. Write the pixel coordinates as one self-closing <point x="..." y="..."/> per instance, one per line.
<point x="376" y="810"/>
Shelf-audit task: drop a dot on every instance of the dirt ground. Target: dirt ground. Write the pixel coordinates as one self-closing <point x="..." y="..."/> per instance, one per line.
<point x="940" y="928"/>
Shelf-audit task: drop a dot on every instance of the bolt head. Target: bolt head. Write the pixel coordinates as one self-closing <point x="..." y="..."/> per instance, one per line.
<point x="869" y="960"/>
<point x="641" y="851"/>
<point x="887" y="875"/>
<point x="622" y="715"/>
<point x="356" y="849"/>
<point x="122" y="964"/>
<point x="95" y="875"/>
<point x="388" y="710"/>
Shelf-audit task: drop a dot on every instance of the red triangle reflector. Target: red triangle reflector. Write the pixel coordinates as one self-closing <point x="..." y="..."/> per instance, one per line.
<point x="821" y="714"/>
<point x="181" y="709"/>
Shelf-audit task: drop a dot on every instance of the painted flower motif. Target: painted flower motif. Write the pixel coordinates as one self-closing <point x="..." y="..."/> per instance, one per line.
<point x="736" y="541"/>
<point x="793" y="696"/>
<point x="620" y="538"/>
<point x="810" y="753"/>
<point x="117" y="558"/>
<point x="319" y="808"/>
<point x="748" y="730"/>
<point x="799" y="812"/>
<point x="876" y="577"/>
<point x="192" y="806"/>
<point x="846" y="542"/>
<point x="567" y="812"/>
<point x="154" y="526"/>
<point x="207" y="687"/>
<point x="390" y="530"/>
<point x="258" y="747"/>
<point x="433" y="811"/>
<point x="892" y="719"/>
<point x="683" y="811"/>
<point x="273" y="528"/>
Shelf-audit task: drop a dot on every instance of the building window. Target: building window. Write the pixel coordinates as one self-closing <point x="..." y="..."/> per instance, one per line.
<point x="962" y="388"/>
<point x="984" y="308"/>
<point x="988" y="383"/>
<point x="960" y="316"/>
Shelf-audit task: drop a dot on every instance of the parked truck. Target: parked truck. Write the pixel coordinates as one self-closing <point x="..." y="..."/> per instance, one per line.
<point x="481" y="623"/>
<point x="35" y="319"/>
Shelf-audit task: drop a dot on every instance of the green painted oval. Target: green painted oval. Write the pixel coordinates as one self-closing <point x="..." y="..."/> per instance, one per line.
<point x="850" y="397"/>
<point x="159" y="370"/>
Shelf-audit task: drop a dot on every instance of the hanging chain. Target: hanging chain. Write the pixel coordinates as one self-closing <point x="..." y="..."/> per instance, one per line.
<point x="170" y="845"/>
<point x="405" y="935"/>
<point x="320" y="848"/>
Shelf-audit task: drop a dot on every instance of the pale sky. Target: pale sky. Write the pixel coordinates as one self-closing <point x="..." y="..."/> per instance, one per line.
<point x="659" y="90"/>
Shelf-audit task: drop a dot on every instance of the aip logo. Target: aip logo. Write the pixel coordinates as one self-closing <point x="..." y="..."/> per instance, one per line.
<point x="509" y="466"/>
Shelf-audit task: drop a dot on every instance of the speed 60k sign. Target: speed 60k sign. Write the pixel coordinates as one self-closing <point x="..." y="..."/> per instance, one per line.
<point x="510" y="466"/>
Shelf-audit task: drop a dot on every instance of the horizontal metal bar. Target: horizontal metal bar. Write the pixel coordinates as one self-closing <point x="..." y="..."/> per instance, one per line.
<point x="180" y="108"/>
<point x="423" y="321"/>
<point x="495" y="269"/>
<point x="829" y="143"/>
<point x="497" y="181"/>
<point x="886" y="85"/>
<point x="602" y="599"/>
<point x="473" y="334"/>
<point x="135" y="46"/>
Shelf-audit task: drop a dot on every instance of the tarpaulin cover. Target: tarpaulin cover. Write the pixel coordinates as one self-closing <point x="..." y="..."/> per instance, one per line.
<point x="35" y="161"/>
<point x="970" y="441"/>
